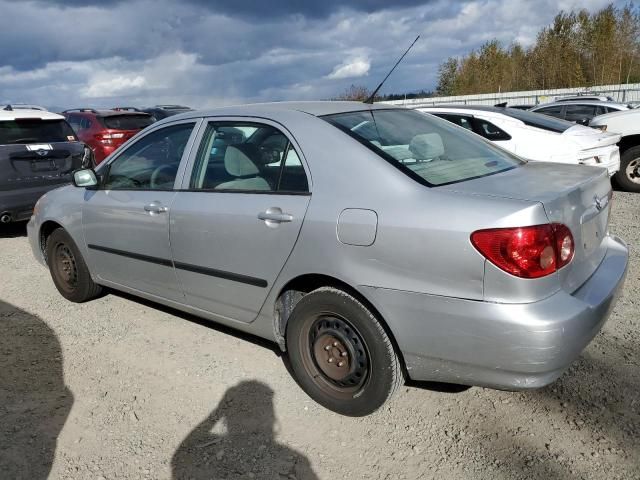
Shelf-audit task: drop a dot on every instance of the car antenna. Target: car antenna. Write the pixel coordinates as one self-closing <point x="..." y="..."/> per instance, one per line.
<point x="372" y="96"/>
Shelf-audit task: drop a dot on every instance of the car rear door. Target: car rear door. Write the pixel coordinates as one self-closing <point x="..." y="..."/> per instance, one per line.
<point x="238" y="216"/>
<point x="126" y="220"/>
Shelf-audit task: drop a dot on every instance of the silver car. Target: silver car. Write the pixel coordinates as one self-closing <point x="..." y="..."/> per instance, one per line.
<point x="372" y="243"/>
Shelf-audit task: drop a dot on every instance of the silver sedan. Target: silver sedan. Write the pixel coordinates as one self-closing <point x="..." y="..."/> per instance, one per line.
<point x="372" y="243"/>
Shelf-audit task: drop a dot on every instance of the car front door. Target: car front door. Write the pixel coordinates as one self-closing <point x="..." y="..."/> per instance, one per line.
<point x="126" y="220"/>
<point x="238" y="216"/>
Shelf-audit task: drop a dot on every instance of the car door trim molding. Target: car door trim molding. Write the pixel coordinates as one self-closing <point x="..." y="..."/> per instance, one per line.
<point x="212" y="272"/>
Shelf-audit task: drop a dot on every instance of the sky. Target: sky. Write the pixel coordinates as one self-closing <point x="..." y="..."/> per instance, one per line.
<point x="106" y="53"/>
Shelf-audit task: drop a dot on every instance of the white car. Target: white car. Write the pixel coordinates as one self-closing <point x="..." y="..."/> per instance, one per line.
<point x="534" y="136"/>
<point x="627" y="125"/>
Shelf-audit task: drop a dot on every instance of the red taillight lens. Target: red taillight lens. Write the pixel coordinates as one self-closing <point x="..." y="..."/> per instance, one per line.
<point x="526" y="252"/>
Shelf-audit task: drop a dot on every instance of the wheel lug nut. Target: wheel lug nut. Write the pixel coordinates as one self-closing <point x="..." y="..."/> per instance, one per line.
<point x="327" y="348"/>
<point x="330" y="360"/>
<point x="335" y="344"/>
<point x="343" y="354"/>
<point x="340" y="364"/>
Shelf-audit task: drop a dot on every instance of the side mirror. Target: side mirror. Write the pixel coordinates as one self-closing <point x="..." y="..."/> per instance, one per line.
<point x="85" y="178"/>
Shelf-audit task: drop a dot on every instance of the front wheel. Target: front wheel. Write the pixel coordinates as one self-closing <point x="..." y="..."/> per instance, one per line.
<point x="628" y="177"/>
<point x="340" y="353"/>
<point x="68" y="269"/>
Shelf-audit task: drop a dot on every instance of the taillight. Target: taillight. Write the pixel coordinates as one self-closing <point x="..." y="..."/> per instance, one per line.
<point x="108" y="138"/>
<point x="526" y="252"/>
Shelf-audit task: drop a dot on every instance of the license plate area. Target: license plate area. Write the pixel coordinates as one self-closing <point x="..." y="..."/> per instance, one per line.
<point x="43" y="165"/>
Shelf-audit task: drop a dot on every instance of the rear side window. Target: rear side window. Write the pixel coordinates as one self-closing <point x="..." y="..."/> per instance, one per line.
<point x="428" y="149"/>
<point x="555" y="111"/>
<point x="490" y="131"/>
<point x="127" y="122"/>
<point x="461" y="121"/>
<point x="577" y="113"/>
<point x="23" y="131"/>
<point x="247" y="157"/>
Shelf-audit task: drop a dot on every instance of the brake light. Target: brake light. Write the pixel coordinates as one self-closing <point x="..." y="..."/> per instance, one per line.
<point x="526" y="252"/>
<point x="108" y="138"/>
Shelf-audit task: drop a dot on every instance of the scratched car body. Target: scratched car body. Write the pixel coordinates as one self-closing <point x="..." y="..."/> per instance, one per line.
<point x="372" y="243"/>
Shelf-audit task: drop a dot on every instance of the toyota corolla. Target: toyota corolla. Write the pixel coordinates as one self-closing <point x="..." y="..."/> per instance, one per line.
<point x="371" y="243"/>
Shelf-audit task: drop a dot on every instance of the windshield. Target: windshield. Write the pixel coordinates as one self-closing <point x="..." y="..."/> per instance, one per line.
<point x="127" y="122"/>
<point x="430" y="150"/>
<point x="539" y="120"/>
<point x="34" y="130"/>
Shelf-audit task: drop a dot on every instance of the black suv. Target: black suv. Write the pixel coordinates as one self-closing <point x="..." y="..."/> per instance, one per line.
<point x="38" y="152"/>
<point x="163" y="111"/>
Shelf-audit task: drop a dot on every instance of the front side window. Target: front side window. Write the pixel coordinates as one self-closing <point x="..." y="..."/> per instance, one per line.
<point x="247" y="157"/>
<point x="152" y="162"/>
<point x="430" y="150"/>
<point x="555" y="111"/>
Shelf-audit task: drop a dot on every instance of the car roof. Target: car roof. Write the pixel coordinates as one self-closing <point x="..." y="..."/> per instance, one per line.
<point x="104" y="113"/>
<point x="481" y="108"/>
<point x="7" y="115"/>
<point x="583" y="102"/>
<point x="315" y="108"/>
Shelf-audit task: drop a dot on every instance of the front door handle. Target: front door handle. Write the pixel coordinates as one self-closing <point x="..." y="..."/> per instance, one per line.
<point x="156" y="207"/>
<point x="274" y="216"/>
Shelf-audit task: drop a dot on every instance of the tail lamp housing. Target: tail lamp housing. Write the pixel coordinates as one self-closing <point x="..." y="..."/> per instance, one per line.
<point x="527" y="252"/>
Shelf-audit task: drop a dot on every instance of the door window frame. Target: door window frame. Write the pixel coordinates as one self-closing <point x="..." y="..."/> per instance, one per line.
<point x="202" y="130"/>
<point x="104" y="167"/>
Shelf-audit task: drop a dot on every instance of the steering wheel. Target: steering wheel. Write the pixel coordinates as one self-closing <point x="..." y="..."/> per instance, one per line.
<point x="163" y="175"/>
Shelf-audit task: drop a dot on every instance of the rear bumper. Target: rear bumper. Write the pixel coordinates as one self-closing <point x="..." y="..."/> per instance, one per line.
<point x="19" y="203"/>
<point x="505" y="346"/>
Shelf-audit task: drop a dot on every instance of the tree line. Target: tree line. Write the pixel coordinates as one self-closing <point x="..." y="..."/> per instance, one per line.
<point x="578" y="49"/>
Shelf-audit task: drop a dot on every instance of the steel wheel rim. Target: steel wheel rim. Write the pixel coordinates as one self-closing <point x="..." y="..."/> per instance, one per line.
<point x="65" y="266"/>
<point x="633" y="170"/>
<point x="334" y="355"/>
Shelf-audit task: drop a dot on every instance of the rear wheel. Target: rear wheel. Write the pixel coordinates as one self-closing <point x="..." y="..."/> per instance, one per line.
<point x="340" y="354"/>
<point x="68" y="269"/>
<point x="628" y="177"/>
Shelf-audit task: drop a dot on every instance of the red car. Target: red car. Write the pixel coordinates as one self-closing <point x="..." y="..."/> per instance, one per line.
<point x="106" y="130"/>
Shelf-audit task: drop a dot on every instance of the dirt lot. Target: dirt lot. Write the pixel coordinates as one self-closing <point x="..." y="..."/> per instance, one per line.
<point x="130" y="390"/>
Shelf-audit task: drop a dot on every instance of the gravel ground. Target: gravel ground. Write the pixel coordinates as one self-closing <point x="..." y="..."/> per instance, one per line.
<point x="120" y="388"/>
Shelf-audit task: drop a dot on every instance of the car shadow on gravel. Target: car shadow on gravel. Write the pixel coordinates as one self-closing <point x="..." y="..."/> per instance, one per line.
<point x="34" y="400"/>
<point x="13" y="230"/>
<point x="247" y="448"/>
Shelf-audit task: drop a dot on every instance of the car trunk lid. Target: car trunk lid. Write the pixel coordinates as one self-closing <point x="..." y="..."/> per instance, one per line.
<point x="576" y="196"/>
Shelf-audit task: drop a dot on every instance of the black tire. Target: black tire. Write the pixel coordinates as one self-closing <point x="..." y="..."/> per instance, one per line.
<point x="68" y="269"/>
<point x="340" y="354"/>
<point x="629" y="170"/>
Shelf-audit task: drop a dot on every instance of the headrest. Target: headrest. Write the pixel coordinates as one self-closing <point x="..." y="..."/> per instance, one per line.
<point x="238" y="163"/>
<point x="427" y="146"/>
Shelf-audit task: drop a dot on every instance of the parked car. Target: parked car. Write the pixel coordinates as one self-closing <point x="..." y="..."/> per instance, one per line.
<point x="160" y="112"/>
<point x="38" y="152"/>
<point x="105" y="130"/>
<point x="536" y="137"/>
<point x="372" y="243"/>
<point x="626" y="124"/>
<point x="578" y="111"/>
<point x="583" y="97"/>
<point x="24" y="106"/>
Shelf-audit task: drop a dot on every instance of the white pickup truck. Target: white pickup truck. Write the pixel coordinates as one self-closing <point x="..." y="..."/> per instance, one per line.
<point x="627" y="124"/>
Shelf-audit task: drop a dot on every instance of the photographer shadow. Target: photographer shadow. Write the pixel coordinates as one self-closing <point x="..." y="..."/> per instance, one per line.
<point x="247" y="450"/>
<point x="34" y="400"/>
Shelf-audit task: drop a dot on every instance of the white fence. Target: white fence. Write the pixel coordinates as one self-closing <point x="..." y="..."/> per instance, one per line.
<point x="627" y="92"/>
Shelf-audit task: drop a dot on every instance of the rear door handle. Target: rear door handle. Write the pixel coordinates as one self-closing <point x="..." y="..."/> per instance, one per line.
<point x="274" y="215"/>
<point x="156" y="207"/>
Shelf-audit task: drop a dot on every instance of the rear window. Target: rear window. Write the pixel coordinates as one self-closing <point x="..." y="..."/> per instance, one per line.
<point x="127" y="122"/>
<point x="34" y="130"/>
<point x="538" y="120"/>
<point x="428" y="149"/>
